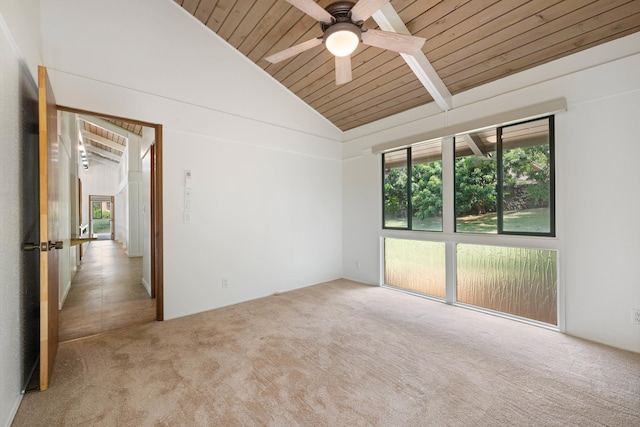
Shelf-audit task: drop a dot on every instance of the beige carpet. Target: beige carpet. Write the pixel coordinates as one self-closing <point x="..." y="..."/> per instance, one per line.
<point x="338" y="354"/>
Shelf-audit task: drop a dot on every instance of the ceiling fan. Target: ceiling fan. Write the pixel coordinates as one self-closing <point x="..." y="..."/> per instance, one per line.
<point x="342" y="27"/>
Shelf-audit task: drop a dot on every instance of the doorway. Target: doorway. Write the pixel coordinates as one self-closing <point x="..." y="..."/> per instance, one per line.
<point x="103" y="246"/>
<point x="101" y="211"/>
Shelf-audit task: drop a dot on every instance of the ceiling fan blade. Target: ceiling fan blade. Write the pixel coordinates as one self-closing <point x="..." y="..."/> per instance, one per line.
<point x="312" y="9"/>
<point x="401" y="43"/>
<point x="365" y="8"/>
<point x="293" y="50"/>
<point x="343" y="69"/>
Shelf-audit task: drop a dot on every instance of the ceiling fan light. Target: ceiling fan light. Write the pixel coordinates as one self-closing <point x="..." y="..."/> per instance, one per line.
<point x="342" y="39"/>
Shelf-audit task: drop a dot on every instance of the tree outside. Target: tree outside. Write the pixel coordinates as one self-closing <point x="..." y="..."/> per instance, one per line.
<point x="526" y="190"/>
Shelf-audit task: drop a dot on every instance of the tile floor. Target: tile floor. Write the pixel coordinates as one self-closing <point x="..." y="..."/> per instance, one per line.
<point x="106" y="294"/>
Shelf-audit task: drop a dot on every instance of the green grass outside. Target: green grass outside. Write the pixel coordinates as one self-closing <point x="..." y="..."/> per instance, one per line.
<point x="101" y="226"/>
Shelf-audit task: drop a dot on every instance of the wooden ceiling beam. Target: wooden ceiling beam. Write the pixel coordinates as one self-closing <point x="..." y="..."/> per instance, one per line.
<point x="102" y="140"/>
<point x="98" y="159"/>
<point x="475" y="143"/>
<point x="103" y="153"/>
<point x="389" y="20"/>
<point x="104" y="124"/>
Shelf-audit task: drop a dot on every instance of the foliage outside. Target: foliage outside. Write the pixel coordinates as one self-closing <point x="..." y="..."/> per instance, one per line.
<point x="98" y="213"/>
<point x="101" y="226"/>
<point x="526" y="173"/>
<point x="395" y="193"/>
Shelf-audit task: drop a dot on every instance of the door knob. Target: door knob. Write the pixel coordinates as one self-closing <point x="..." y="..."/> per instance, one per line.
<point x="44" y="246"/>
<point x="55" y="245"/>
<point x="32" y="246"/>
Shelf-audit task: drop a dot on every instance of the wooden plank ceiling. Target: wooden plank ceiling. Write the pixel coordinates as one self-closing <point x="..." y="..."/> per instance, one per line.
<point x="129" y="127"/>
<point x="469" y="43"/>
<point x="104" y="145"/>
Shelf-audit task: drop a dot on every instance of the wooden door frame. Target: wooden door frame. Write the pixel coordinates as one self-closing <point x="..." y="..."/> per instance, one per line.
<point x="157" y="252"/>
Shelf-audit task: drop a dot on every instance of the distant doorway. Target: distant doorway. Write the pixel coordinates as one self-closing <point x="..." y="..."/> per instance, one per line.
<point x="101" y="217"/>
<point x="155" y="203"/>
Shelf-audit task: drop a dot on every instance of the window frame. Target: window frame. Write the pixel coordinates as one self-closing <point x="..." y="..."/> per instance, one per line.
<point x="552" y="181"/>
<point x="408" y="190"/>
<point x="499" y="185"/>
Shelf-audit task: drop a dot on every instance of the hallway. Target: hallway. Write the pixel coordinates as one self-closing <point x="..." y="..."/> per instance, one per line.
<point x="106" y="294"/>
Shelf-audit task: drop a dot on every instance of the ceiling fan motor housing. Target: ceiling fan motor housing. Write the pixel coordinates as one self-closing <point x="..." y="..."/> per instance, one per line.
<point x="341" y="12"/>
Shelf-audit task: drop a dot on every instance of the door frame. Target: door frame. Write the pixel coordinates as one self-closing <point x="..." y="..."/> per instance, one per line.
<point x="157" y="251"/>
<point x="101" y="198"/>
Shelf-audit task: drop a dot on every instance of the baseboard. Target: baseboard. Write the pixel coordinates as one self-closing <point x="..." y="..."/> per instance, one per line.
<point x="13" y="412"/>
<point x="146" y="286"/>
<point x="64" y="296"/>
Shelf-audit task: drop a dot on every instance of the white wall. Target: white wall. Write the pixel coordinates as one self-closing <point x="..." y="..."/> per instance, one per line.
<point x="121" y="219"/>
<point x="148" y="138"/>
<point x="19" y="38"/>
<point x="263" y="219"/>
<point x="361" y="218"/>
<point x="22" y="18"/>
<point x="146" y="221"/>
<point x="267" y="197"/>
<point x="67" y="143"/>
<point x="600" y="206"/>
<point x="154" y="47"/>
<point x="132" y="208"/>
<point x="10" y="327"/>
<point x="597" y="176"/>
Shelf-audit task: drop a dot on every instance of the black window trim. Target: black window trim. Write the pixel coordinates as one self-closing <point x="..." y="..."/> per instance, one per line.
<point x="499" y="186"/>
<point x="552" y="181"/>
<point x="409" y="179"/>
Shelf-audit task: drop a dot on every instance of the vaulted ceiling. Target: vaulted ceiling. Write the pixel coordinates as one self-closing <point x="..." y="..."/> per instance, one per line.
<point x="469" y="43"/>
<point x="104" y="140"/>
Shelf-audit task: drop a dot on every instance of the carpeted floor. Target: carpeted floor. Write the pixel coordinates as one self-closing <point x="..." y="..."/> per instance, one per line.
<point x="338" y="354"/>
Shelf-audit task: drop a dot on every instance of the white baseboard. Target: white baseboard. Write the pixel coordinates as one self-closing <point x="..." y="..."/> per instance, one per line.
<point x="146" y="286"/>
<point x="64" y="296"/>
<point x="13" y="412"/>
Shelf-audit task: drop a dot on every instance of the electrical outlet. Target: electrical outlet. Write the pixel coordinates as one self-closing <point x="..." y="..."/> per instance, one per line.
<point x="635" y="315"/>
<point x="225" y="283"/>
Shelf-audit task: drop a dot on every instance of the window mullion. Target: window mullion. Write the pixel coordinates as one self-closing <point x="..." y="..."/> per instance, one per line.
<point x="448" y="185"/>
<point x="409" y="192"/>
<point x="499" y="181"/>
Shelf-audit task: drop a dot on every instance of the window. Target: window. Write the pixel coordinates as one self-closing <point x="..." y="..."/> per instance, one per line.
<point x="517" y="281"/>
<point x="476" y="182"/>
<point x="526" y="176"/>
<point x="520" y="282"/>
<point x="396" y="189"/>
<point x="413" y="187"/>
<point x="426" y="186"/>
<point x="500" y="180"/>
<point x="415" y="265"/>
<point x="504" y="182"/>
